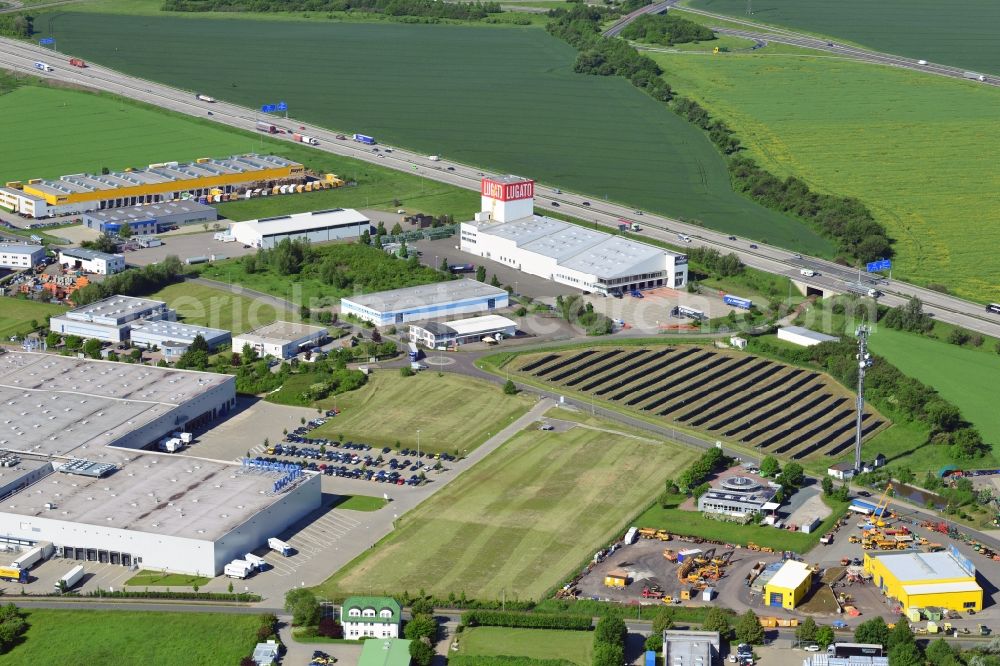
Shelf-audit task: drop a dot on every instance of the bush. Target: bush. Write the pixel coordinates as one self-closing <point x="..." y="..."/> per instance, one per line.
<point x="487" y="618"/>
<point x="12" y="626"/>
<point x="666" y="29"/>
<point x="480" y="660"/>
<point x="421" y="653"/>
<point x="427" y="9"/>
<point x="132" y="282"/>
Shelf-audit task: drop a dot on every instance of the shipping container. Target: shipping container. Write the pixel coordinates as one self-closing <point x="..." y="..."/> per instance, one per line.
<point x="67" y="582"/>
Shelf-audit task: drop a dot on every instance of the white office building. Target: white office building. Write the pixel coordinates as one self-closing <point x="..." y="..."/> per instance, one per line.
<point x="315" y="227"/>
<point x="91" y="261"/>
<point x="509" y="233"/>
<point x="20" y="255"/>
<point x="173" y="337"/>
<point x="111" y="319"/>
<point x="281" y="339"/>
<point x="434" y="334"/>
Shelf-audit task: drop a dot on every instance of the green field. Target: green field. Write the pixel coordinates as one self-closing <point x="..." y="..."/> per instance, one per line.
<point x="200" y="305"/>
<point x="573" y="646"/>
<point x="16" y="315"/>
<point x="965" y="377"/>
<point x="150" y="578"/>
<point x="127" y="638"/>
<point x="520" y="520"/>
<point x="918" y="150"/>
<point x="452" y="412"/>
<point x="592" y="134"/>
<point x="360" y="503"/>
<point x="962" y="33"/>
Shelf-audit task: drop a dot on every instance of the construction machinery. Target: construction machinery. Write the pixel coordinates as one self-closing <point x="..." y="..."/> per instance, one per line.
<point x="882" y="508"/>
<point x="669" y="555"/>
<point x="652" y="592"/>
<point x="684" y="569"/>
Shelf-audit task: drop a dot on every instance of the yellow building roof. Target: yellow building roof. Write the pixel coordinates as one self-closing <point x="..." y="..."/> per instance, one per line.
<point x="790" y="576"/>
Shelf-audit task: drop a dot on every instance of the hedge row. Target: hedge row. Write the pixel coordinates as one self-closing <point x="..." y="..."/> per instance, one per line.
<point x="482" y="660"/>
<point x="488" y="618"/>
<point x="198" y="596"/>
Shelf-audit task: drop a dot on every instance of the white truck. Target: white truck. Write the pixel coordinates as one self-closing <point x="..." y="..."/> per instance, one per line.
<point x="171" y="444"/>
<point x="33" y="556"/>
<point x="303" y="138"/>
<point x="238" y="569"/>
<point x="974" y="76"/>
<point x="256" y="561"/>
<point x="185" y="437"/>
<point x="70" y="579"/>
<point x="434" y="158"/>
<point x="205" y="98"/>
<point x="808" y="272"/>
<point x="279" y="546"/>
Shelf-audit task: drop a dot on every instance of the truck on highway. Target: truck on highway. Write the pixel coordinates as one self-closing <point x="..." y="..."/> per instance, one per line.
<point x="266" y="127"/>
<point x="205" y="98"/>
<point x="302" y="138"/>
<point x="279" y="546"/>
<point x="70" y="579"/>
<point x="238" y="569"/>
<point x="45" y="67"/>
<point x="15" y="574"/>
<point x="974" y="76"/>
<point x="77" y="62"/>
<point x="434" y="158"/>
<point x="807" y="272"/>
<point x="863" y="290"/>
<point x="365" y="139"/>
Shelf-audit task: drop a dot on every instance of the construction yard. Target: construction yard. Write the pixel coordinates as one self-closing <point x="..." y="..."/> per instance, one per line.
<point x="762" y="404"/>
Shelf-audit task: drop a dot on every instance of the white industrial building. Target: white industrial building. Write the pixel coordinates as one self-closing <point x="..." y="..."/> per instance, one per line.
<point x="96" y="496"/>
<point x="803" y="337"/>
<point x="280" y="339"/>
<point x="109" y="319"/>
<point x="461" y="331"/>
<point x="426" y="301"/>
<point x="91" y="261"/>
<point x="20" y="255"/>
<point x="508" y="232"/>
<point x="315" y="227"/>
<point x="173" y="337"/>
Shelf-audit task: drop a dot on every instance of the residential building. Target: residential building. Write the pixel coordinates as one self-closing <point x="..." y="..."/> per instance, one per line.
<point x="370" y="616"/>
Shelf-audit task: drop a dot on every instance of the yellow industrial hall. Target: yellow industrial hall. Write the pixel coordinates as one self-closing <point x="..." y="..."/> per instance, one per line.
<point x="945" y="579"/>
<point x="789" y="585"/>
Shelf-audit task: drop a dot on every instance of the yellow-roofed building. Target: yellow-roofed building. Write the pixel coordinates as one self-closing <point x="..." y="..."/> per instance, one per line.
<point x="789" y="585"/>
<point x="945" y="579"/>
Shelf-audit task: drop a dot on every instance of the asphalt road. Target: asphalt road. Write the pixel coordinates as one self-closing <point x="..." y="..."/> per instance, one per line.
<point x="21" y="56"/>
<point x="656" y="8"/>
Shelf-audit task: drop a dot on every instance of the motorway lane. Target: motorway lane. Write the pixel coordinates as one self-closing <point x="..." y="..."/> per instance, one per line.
<point x="656" y="8"/>
<point x="21" y="56"/>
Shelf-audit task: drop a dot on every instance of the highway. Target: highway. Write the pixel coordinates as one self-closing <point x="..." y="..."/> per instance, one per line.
<point x="829" y="276"/>
<point x="655" y="8"/>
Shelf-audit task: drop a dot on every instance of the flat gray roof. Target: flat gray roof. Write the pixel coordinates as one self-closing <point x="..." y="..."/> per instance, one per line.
<point x="297" y="222"/>
<point x="917" y="567"/>
<point x="436" y="293"/>
<point x="84" y="253"/>
<point x="812" y="335"/>
<point x="689" y="648"/>
<point x="614" y="256"/>
<point x="281" y="332"/>
<point x="21" y="248"/>
<point x="64" y="406"/>
<point x="508" y="179"/>
<point x="177" y="331"/>
<point x="149" y="211"/>
<point x="115" y="307"/>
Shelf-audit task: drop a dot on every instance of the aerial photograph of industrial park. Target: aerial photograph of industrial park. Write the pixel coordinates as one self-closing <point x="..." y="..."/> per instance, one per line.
<point x="499" y="333"/>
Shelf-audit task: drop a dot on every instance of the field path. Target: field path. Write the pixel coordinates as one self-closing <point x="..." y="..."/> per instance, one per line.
<point x="274" y="301"/>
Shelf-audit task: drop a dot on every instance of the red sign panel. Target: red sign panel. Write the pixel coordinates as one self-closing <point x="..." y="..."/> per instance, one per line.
<point x="524" y="189"/>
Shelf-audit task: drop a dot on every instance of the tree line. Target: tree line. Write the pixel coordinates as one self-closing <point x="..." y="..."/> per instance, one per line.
<point x="666" y="29"/>
<point x="18" y="26"/>
<point x="488" y="618"/>
<point x="132" y="282"/>
<point x="423" y="8"/>
<point x="844" y="219"/>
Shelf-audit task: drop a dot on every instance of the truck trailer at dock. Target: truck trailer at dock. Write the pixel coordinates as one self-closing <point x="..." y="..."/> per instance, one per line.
<point x="70" y="579"/>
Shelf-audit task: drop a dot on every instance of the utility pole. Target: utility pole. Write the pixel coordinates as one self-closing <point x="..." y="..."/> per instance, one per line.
<point x="749" y="8"/>
<point x="864" y="362"/>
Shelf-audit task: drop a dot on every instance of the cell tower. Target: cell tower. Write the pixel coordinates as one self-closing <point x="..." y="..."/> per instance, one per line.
<point x="749" y="8"/>
<point x="864" y="362"/>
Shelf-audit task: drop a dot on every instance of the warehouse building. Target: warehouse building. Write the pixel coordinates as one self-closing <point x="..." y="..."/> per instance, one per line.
<point x="461" y="331"/>
<point x="739" y="496"/>
<point x="173" y="338"/>
<point x="789" y="585"/>
<point x="91" y="261"/>
<point x="803" y="337"/>
<point x="281" y="339"/>
<point x="507" y="231"/>
<point x="150" y="218"/>
<point x="946" y="579"/>
<point x="99" y="498"/>
<point x="109" y="319"/>
<point x="690" y="648"/>
<point x="316" y="227"/>
<point x="83" y="192"/>
<point x="427" y="301"/>
<point x="20" y="255"/>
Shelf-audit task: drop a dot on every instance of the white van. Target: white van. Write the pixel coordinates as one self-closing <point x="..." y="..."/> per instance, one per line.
<point x="808" y="272"/>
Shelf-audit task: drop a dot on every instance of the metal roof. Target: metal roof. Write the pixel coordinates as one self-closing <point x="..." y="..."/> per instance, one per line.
<point x="21" y="248"/>
<point x="939" y="588"/>
<point x="176" y="331"/>
<point x="149" y="211"/>
<point x="116" y="308"/>
<point x="473" y="325"/>
<point x="280" y="332"/>
<point x="84" y="253"/>
<point x="918" y="567"/>
<point x="806" y="333"/>
<point x="436" y="293"/>
<point x="299" y="222"/>
<point x="614" y="257"/>
<point x="508" y="179"/>
<point x="791" y="574"/>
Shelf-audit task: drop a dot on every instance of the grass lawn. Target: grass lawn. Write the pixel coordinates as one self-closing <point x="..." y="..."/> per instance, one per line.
<point x="873" y="133"/>
<point x="16" y="314"/>
<point x="150" y="578"/>
<point x="965" y="35"/>
<point x="573" y="646"/>
<point x="205" y="306"/>
<point x="691" y="523"/>
<point x="360" y="503"/>
<point x="125" y="638"/>
<point x="965" y="377"/>
<point x="520" y="520"/>
<point x="452" y="412"/>
<point x="653" y="160"/>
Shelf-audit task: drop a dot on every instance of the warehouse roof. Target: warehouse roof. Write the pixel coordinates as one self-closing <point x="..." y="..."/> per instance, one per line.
<point x="115" y="307"/>
<point x="150" y="211"/>
<point x="426" y="294"/>
<point x="21" y="248"/>
<point x="940" y="588"/>
<point x="59" y="405"/>
<point x="84" y="253"/>
<point x="791" y="574"/>
<point x="930" y="567"/>
<point x="176" y="331"/>
<point x="336" y="217"/>
<point x="806" y="333"/>
<point x="613" y="257"/>
<point x="473" y="325"/>
<point x="281" y="332"/>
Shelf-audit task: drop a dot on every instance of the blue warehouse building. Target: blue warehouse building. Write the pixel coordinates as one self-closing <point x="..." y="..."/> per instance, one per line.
<point x="151" y="218"/>
<point x="427" y="301"/>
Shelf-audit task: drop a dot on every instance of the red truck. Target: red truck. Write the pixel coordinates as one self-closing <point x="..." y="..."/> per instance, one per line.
<point x="77" y="62"/>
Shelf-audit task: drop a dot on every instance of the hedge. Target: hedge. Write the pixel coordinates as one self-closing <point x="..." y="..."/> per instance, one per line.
<point x="525" y="620"/>
<point x="197" y="596"/>
<point x="483" y="660"/>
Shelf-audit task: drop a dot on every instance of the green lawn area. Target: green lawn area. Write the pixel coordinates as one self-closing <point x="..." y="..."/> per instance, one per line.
<point x="126" y="638"/>
<point x="16" y="314"/>
<point x="520" y="520"/>
<point x="573" y="646"/>
<point x="965" y="377"/>
<point x="150" y="578"/>
<point x="360" y="503"/>
<point x="452" y="412"/>
<point x="200" y="305"/>
<point x="691" y="523"/>
<point x="874" y="133"/>
<point x="964" y="35"/>
<point x="653" y="159"/>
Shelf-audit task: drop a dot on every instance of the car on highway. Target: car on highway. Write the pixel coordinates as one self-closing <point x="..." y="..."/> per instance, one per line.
<point x="753" y="246"/>
<point x="451" y="168"/>
<point x="796" y="256"/>
<point x="638" y="212"/>
<point x="586" y="203"/>
<point x="557" y="191"/>
<point x="556" y="204"/>
<point x="921" y="62"/>
<point x="732" y="238"/>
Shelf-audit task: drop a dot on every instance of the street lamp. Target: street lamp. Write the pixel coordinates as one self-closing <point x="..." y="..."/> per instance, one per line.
<point x="418" y="442"/>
